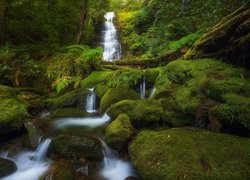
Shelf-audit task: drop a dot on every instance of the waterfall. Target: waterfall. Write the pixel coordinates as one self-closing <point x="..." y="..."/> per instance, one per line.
<point x="31" y="165"/>
<point x="112" y="47"/>
<point x="91" y="122"/>
<point x="143" y="89"/>
<point x="91" y="101"/>
<point x="152" y="92"/>
<point x="113" y="167"/>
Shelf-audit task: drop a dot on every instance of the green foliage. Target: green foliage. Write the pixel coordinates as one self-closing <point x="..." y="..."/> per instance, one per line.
<point x="95" y="78"/>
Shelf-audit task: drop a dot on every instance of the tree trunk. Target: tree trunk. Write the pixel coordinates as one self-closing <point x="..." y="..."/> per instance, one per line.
<point x="82" y="18"/>
<point x="3" y="7"/>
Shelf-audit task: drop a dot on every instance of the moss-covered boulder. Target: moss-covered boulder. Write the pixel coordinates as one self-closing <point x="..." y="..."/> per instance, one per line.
<point x="119" y="132"/>
<point x="101" y="89"/>
<point x="227" y="40"/>
<point x="233" y="113"/>
<point x="152" y="74"/>
<point x="190" y="154"/>
<point x="69" y="112"/>
<point x="114" y="95"/>
<point x="125" y="78"/>
<point x="75" y="146"/>
<point x="7" y="167"/>
<point x="73" y="99"/>
<point x="142" y="113"/>
<point x="7" y="92"/>
<point x="13" y="111"/>
<point x="95" y="78"/>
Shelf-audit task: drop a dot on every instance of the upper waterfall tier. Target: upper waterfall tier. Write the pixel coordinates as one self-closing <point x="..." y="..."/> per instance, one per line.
<point x="111" y="45"/>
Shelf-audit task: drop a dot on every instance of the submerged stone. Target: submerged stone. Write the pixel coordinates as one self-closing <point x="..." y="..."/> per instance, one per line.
<point x="190" y="153"/>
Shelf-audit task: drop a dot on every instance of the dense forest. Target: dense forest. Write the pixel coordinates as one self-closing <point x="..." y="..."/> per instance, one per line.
<point x="124" y="89"/>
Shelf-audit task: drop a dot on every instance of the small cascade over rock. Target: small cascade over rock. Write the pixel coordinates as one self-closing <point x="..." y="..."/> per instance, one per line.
<point x="31" y="165"/>
<point x="113" y="167"/>
<point x="143" y="89"/>
<point x="91" y="101"/>
<point x="91" y="122"/>
<point x="111" y="45"/>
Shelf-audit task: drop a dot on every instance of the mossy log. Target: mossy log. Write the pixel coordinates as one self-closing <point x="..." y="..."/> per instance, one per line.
<point x="229" y="40"/>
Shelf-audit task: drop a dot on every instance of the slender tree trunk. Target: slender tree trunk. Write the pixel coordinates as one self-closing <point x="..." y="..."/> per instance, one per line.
<point x="82" y="18"/>
<point x="3" y="7"/>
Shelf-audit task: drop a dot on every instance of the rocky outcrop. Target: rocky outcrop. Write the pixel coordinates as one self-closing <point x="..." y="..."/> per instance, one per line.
<point x="228" y="40"/>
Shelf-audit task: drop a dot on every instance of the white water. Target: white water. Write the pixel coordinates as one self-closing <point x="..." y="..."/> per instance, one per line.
<point x="113" y="167"/>
<point x="112" y="47"/>
<point x="152" y="92"/>
<point x="91" y="122"/>
<point x="143" y="89"/>
<point x="90" y="106"/>
<point x="31" y="165"/>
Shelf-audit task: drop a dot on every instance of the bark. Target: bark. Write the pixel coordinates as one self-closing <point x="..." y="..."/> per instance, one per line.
<point x="83" y="15"/>
<point x="3" y="7"/>
<point x="229" y="40"/>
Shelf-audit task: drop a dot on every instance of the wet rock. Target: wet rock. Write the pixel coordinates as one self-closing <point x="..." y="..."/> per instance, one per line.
<point x="76" y="147"/>
<point x="190" y="153"/>
<point x="119" y="132"/>
<point x="69" y="112"/>
<point x="7" y="167"/>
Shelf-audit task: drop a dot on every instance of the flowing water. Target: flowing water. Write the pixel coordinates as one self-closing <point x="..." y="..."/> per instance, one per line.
<point x="31" y="164"/>
<point x="143" y="89"/>
<point x="90" y="106"/>
<point x="91" y="122"/>
<point x="113" y="167"/>
<point x="111" y="45"/>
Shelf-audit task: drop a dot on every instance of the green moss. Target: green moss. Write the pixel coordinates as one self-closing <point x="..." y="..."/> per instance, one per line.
<point x="11" y="115"/>
<point x="119" y="132"/>
<point x="6" y="92"/>
<point x="101" y="89"/>
<point x="69" y="112"/>
<point x="75" y="98"/>
<point x="114" y="95"/>
<point x="151" y="75"/>
<point x="234" y="111"/>
<point x="127" y="77"/>
<point x="190" y="154"/>
<point x="142" y="113"/>
<point x="78" y="147"/>
<point x="95" y="78"/>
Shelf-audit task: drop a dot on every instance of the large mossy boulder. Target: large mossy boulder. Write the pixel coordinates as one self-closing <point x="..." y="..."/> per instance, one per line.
<point x="228" y="40"/>
<point x="7" y="167"/>
<point x="119" y="132"/>
<point x="77" y="147"/>
<point x="190" y="154"/>
<point x="12" y="113"/>
<point x="73" y="99"/>
<point x="115" y="95"/>
<point x="142" y="113"/>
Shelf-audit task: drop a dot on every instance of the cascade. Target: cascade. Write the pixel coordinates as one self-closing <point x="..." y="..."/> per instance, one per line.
<point x="143" y="89"/>
<point x="90" y="106"/>
<point x="113" y="167"/>
<point x="91" y="122"/>
<point x="32" y="164"/>
<point x="111" y="45"/>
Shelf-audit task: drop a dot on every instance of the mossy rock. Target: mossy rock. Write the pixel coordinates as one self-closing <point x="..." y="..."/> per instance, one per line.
<point x="115" y="95"/>
<point x="7" y="167"/>
<point x="7" y="92"/>
<point x="33" y="132"/>
<point x="191" y="154"/>
<point x="234" y="112"/>
<point x="101" y="89"/>
<point x="151" y="75"/>
<point x="119" y="132"/>
<point x="73" y="99"/>
<point x="61" y="170"/>
<point x="142" y="113"/>
<point x="95" y="78"/>
<point x="75" y="146"/>
<point x="69" y="112"/>
<point x="12" y="113"/>
<point x="125" y="78"/>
